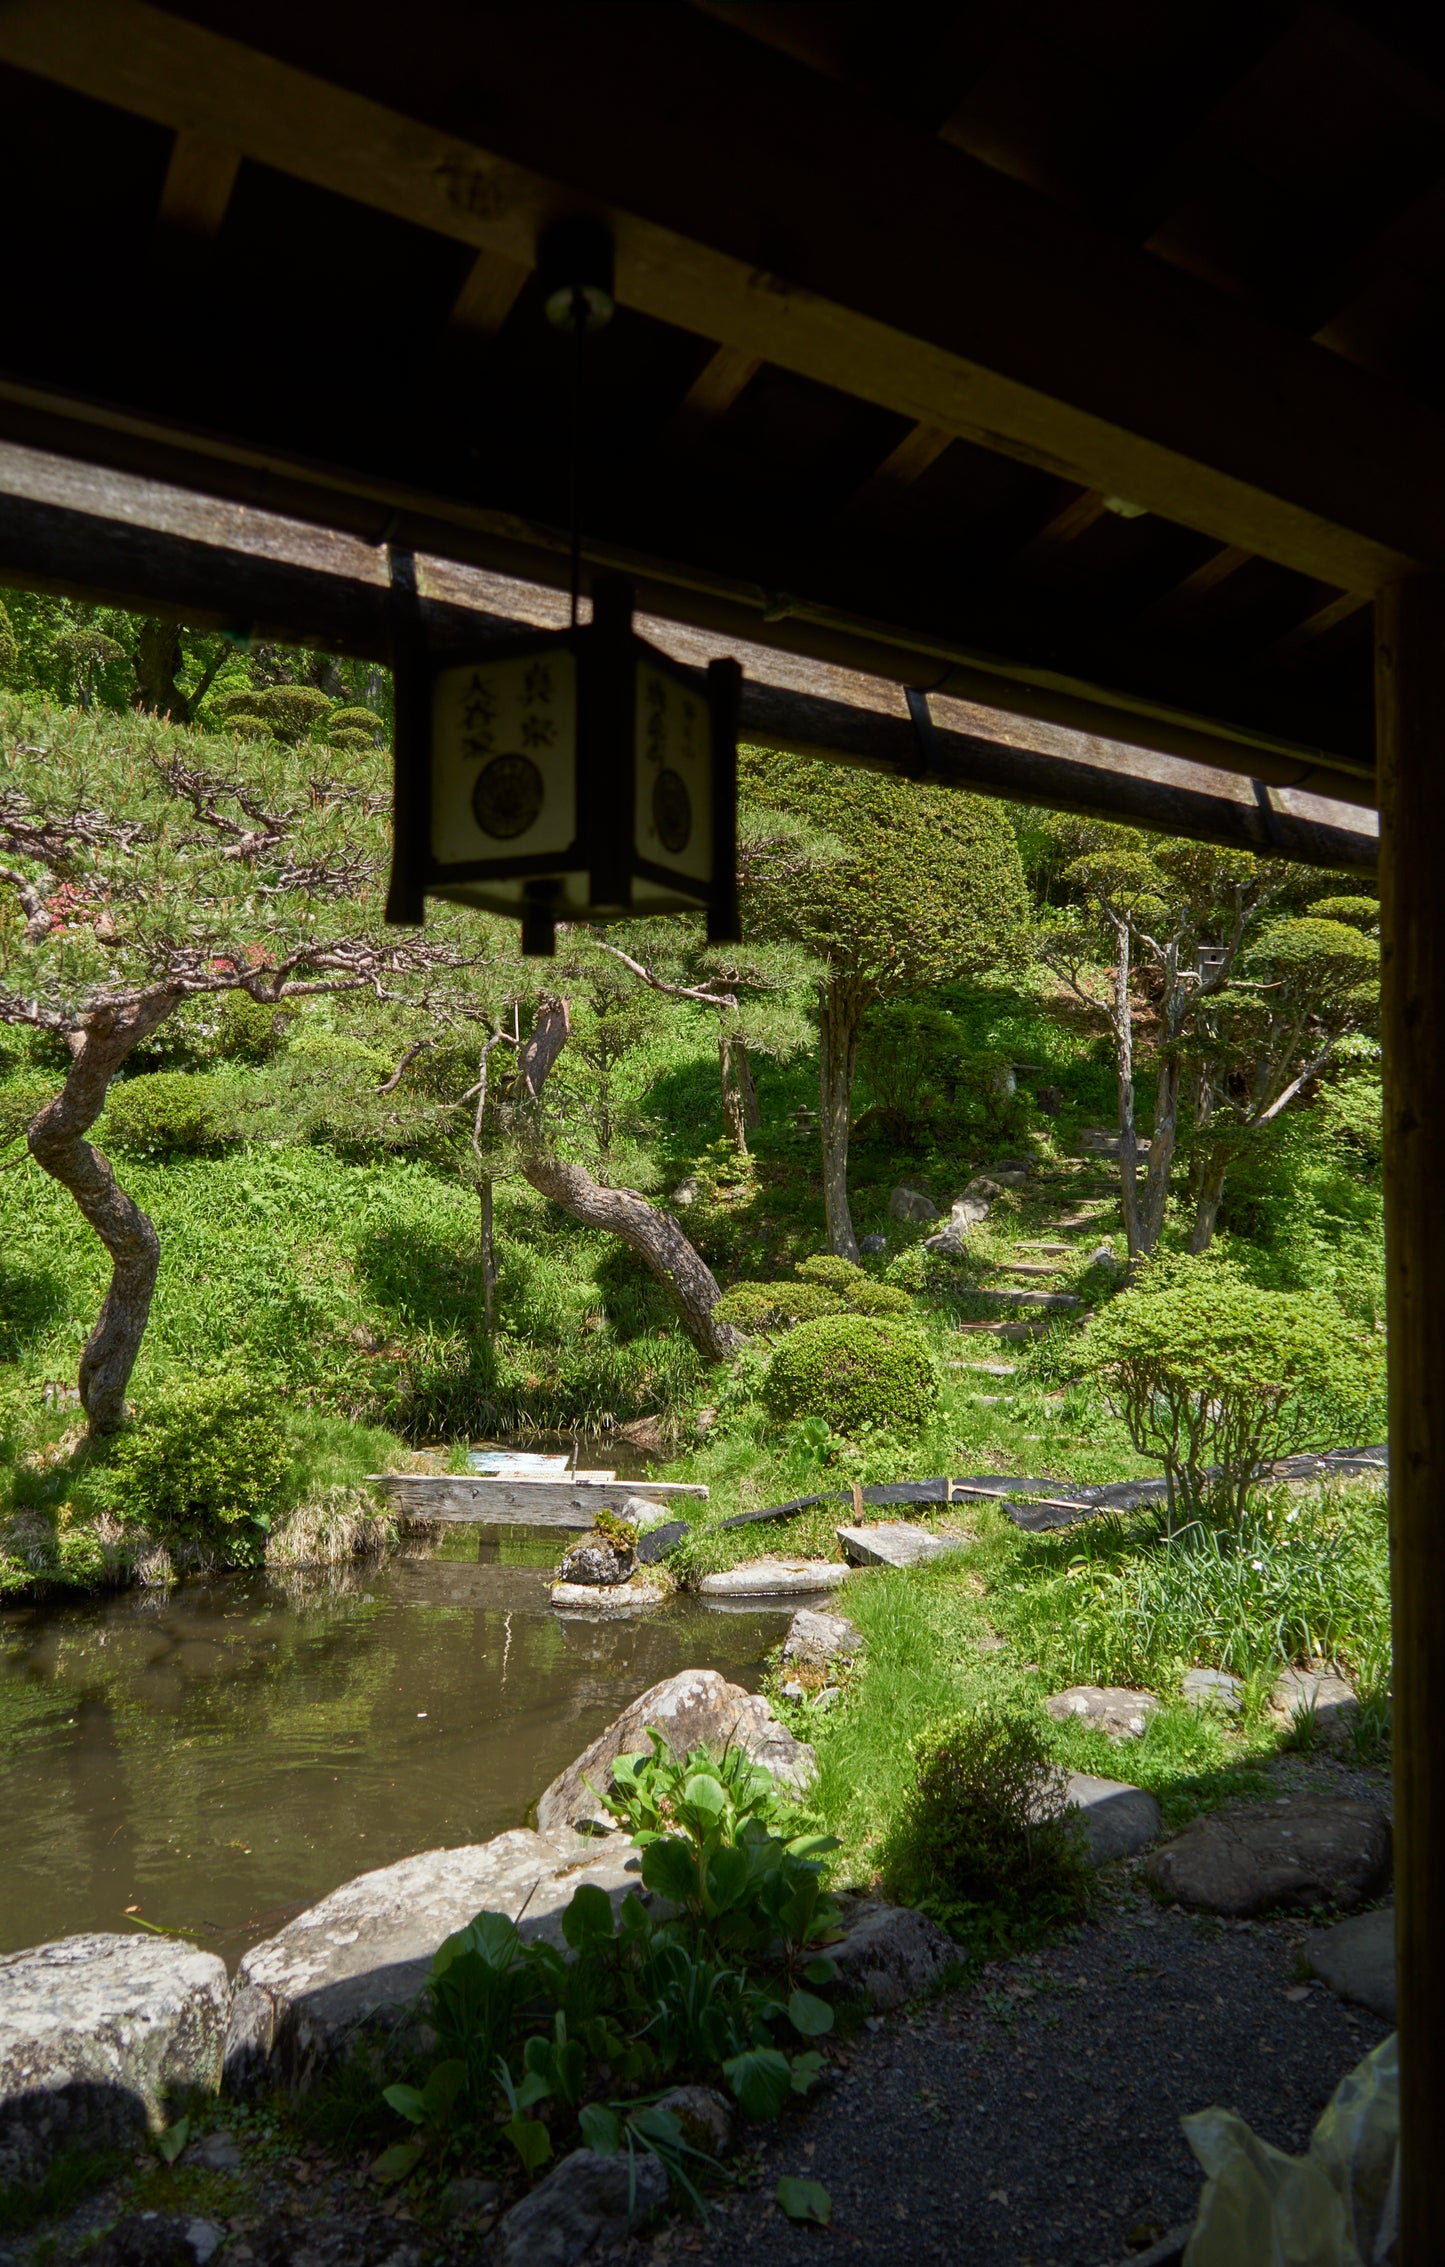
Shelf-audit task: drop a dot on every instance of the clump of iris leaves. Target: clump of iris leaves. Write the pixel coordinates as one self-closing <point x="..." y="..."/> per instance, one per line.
<point x="539" y="2050"/>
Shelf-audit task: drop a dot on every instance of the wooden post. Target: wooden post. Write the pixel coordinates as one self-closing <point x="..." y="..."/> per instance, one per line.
<point x="1410" y="694"/>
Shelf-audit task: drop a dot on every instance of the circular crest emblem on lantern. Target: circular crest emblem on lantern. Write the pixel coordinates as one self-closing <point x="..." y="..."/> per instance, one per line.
<point x="507" y="796"/>
<point x="671" y="811"/>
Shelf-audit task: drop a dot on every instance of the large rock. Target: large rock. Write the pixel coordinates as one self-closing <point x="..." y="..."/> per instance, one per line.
<point x="1356" y="1958"/>
<point x="774" y="1578"/>
<point x="815" y="1638"/>
<point x="1309" y="1850"/>
<point x="896" y="1542"/>
<point x="585" y="2200"/>
<point x="159" y="2239"/>
<point x="606" y="1598"/>
<point x="359" y="1960"/>
<point x="707" y="2117"/>
<point x="1320" y="1696"/>
<point x="1213" y="1688"/>
<point x="594" y="1559"/>
<point x="1117" y="1710"/>
<point x="696" y="1709"/>
<point x="1118" y="1820"/>
<point x="911" y="1204"/>
<point x="99" y="2037"/>
<point x="892" y="1954"/>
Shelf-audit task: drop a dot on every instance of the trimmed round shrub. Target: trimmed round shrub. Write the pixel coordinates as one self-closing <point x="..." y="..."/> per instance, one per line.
<point x="852" y="1371"/>
<point x="208" y="1464"/>
<point x="870" y="1298"/>
<point x="20" y="1099"/>
<point x="168" y="1113"/>
<point x="828" y="1268"/>
<point x="247" y="1030"/>
<point x="356" y="719"/>
<point x="777" y="1306"/>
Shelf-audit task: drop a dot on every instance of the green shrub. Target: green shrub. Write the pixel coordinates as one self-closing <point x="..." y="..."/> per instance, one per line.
<point x="168" y="1112"/>
<point x="829" y="1269"/>
<point x="19" y="1101"/>
<point x="984" y="1841"/>
<point x="772" y="1307"/>
<point x="208" y="1465"/>
<point x="1215" y="1378"/>
<point x="852" y="1371"/>
<point x="358" y="720"/>
<point x="880" y="1299"/>
<point x="289" y="712"/>
<point x="248" y="1031"/>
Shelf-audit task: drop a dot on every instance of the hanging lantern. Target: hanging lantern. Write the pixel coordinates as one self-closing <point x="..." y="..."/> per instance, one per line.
<point x="565" y="775"/>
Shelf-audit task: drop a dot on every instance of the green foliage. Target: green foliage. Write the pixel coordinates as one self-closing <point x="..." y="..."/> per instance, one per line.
<point x="984" y="1841"/>
<point x="169" y="1113"/>
<point x="804" y="2200"/>
<point x="209" y="1463"/>
<point x="835" y="1273"/>
<point x="530" y="2040"/>
<point x="1304" y="1576"/>
<point x="247" y="1030"/>
<point x="1215" y="1378"/>
<point x="363" y="720"/>
<point x="901" y="887"/>
<point x="854" y="1371"/>
<point x="880" y="1299"/>
<point x="290" y="712"/>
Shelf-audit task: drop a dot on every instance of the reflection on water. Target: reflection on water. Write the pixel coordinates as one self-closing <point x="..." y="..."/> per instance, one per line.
<point x="221" y="1754"/>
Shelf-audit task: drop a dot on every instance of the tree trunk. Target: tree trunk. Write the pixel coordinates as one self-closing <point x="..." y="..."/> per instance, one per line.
<point x="840" y="1012"/>
<point x="743" y="1071"/>
<point x="646" y="1229"/>
<point x="653" y="1234"/>
<point x="734" y="1104"/>
<point x="1122" y="1018"/>
<point x="1207" y="1203"/>
<point x="489" y="1261"/>
<point x="1161" y="1157"/>
<point x="57" y="1143"/>
<point x="156" y="659"/>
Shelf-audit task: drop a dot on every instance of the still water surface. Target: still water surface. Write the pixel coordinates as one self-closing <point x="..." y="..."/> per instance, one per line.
<point x="221" y="1754"/>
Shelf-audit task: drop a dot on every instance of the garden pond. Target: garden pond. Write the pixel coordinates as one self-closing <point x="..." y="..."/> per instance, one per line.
<point x="212" y="1758"/>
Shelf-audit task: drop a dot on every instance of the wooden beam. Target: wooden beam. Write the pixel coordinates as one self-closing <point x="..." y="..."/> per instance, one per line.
<point x="719" y="383"/>
<point x="1298" y="643"/>
<point x="484" y="1501"/>
<point x="1410" y="683"/>
<point x="758" y="204"/>
<point x="919" y="450"/>
<point x="198" y="184"/>
<point x="122" y="541"/>
<point x="492" y="288"/>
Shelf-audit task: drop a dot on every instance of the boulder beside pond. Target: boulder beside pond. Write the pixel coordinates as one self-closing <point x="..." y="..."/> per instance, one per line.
<point x="359" y="1960"/>
<point x="815" y="1638"/>
<point x="101" y="2036"/>
<point x="698" y="1708"/>
<point x="1304" y="1850"/>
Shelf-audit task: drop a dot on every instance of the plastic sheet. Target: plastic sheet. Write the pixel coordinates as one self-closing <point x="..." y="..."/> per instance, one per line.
<point x="1337" y="2206"/>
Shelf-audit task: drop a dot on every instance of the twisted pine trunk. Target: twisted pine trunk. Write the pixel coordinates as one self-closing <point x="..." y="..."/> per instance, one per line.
<point x="840" y="1013"/>
<point x="653" y="1234"/>
<point x="57" y="1142"/>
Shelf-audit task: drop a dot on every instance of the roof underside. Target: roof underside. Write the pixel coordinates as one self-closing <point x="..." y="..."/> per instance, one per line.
<point x="1084" y="362"/>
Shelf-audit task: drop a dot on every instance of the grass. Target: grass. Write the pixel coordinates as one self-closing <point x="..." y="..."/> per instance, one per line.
<point x="67" y="2180"/>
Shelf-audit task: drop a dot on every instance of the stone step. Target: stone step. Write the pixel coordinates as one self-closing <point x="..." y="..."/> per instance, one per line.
<point x="1029" y="1267"/>
<point x="897" y="1543"/>
<point x="1022" y="1246"/>
<point x="1029" y="1298"/>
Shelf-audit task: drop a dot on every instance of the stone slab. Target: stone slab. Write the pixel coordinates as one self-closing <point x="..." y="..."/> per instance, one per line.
<point x="774" y="1578"/>
<point x="1320" y="1694"/>
<point x="606" y="1598"/>
<point x="1212" y="1688"/>
<point x="897" y="1543"/>
<point x="1306" y="1850"/>
<point x="1117" y="1710"/>
<point x="697" y="1708"/>
<point x="359" y="1960"/>
<point x="1356" y="1958"/>
<point x="99" y="2036"/>
<point x="1119" y="1820"/>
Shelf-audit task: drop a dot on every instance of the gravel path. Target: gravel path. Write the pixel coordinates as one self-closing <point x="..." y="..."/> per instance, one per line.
<point x="1034" y="2122"/>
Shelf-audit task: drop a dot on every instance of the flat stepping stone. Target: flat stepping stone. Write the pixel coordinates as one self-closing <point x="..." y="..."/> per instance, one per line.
<point x="896" y="1543"/>
<point x="1116" y="1709"/>
<point x="1034" y="1247"/>
<point x="1119" y="1820"/>
<point x="1318" y="1694"/>
<point x="1213" y="1688"/>
<point x="1027" y="1267"/>
<point x="606" y="1597"/>
<point x="96" y="2032"/>
<point x="992" y="1369"/>
<point x="1306" y="1850"/>
<point x="1356" y="1958"/>
<point x="1029" y="1298"/>
<point x="774" y="1578"/>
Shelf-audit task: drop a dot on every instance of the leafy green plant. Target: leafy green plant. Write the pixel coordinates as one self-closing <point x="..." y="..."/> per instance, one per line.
<point x="169" y="1113"/>
<point x="835" y="1273"/>
<point x="1216" y="1378"/>
<point x="984" y="1841"/>
<point x="852" y="1371"/>
<point x="209" y="1463"/>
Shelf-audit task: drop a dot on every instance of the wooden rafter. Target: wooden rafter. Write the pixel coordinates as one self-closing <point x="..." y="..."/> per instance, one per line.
<point x="1166" y="396"/>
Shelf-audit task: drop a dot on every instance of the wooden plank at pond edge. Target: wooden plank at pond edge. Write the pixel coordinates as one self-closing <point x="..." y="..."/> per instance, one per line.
<point x="476" y="1499"/>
